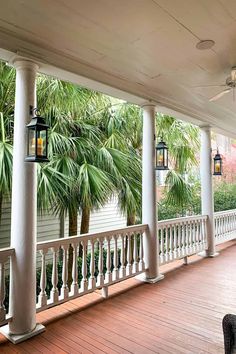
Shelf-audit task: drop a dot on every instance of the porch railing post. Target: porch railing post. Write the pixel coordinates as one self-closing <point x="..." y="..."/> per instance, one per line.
<point x="24" y="210"/>
<point x="149" y="205"/>
<point x="207" y="200"/>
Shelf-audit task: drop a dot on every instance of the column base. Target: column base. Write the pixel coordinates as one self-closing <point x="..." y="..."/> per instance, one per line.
<point x="143" y="277"/>
<point x="17" y="338"/>
<point x="205" y="254"/>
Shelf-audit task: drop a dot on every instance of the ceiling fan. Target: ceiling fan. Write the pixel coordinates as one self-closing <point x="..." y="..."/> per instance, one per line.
<point x="230" y="85"/>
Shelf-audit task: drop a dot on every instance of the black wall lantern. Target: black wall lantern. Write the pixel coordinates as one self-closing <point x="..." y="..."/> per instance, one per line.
<point x="37" y="138"/>
<point x="217" y="164"/>
<point x="161" y="156"/>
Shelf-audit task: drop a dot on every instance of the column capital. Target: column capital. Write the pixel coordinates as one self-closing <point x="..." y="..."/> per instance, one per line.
<point x="149" y="105"/>
<point x="205" y="127"/>
<point x="23" y="63"/>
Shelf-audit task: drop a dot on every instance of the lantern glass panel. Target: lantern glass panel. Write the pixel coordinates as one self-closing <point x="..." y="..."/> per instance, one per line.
<point x="41" y="143"/>
<point x="217" y="165"/>
<point x="160" y="158"/>
<point x="31" y="142"/>
<point x="165" y="158"/>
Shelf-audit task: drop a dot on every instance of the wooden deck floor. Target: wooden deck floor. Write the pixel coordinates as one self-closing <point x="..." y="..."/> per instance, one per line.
<point x="180" y="314"/>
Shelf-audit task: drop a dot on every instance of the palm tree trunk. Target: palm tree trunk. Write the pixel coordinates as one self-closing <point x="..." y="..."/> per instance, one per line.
<point x="1" y="200"/>
<point x="84" y="226"/>
<point x="131" y="219"/>
<point x="73" y="225"/>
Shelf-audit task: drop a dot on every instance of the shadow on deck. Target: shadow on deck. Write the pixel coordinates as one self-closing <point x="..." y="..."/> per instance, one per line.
<point x="180" y="314"/>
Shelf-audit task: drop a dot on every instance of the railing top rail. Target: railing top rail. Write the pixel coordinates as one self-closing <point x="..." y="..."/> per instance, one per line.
<point x="183" y="219"/>
<point x="85" y="237"/>
<point x="224" y="212"/>
<point x="5" y="253"/>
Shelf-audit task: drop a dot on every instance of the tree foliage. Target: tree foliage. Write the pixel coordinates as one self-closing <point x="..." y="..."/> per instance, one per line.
<point x="95" y="148"/>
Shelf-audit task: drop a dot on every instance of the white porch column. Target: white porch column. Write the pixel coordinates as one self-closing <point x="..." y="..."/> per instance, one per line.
<point x="149" y="204"/>
<point x="207" y="200"/>
<point x="24" y="212"/>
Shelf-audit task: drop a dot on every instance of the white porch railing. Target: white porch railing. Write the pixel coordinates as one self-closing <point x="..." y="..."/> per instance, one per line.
<point x="112" y="256"/>
<point x="225" y="226"/>
<point x="107" y="265"/>
<point x="5" y="255"/>
<point x="182" y="237"/>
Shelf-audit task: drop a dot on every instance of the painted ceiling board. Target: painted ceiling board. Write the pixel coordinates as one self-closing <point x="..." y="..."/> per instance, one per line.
<point x="146" y="48"/>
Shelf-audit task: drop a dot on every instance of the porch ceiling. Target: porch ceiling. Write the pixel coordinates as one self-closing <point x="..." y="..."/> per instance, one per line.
<point x="144" y="49"/>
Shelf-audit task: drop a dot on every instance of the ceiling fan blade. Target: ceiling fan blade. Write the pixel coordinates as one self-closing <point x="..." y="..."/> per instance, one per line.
<point x="219" y="95"/>
<point x="233" y="73"/>
<point x="203" y="86"/>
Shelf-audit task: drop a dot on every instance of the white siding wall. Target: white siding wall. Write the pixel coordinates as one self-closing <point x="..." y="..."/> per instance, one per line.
<point x="5" y="225"/>
<point x="109" y="217"/>
<point x="48" y="225"/>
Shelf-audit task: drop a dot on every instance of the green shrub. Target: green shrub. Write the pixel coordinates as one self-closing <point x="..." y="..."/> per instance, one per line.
<point x="59" y="269"/>
<point x="224" y="199"/>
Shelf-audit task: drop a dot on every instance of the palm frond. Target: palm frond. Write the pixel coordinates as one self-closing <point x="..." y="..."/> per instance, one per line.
<point x="178" y="191"/>
<point x="94" y="187"/>
<point x="53" y="188"/>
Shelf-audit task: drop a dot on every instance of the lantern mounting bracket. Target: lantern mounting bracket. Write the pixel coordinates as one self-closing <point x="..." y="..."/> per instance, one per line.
<point x="33" y="110"/>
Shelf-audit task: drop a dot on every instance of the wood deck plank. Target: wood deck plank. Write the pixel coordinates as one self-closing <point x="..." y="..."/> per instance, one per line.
<point x="182" y="314"/>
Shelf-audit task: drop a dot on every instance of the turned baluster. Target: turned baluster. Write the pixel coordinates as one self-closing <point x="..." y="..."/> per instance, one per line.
<point x="42" y="298"/>
<point x="54" y="294"/>
<point x="92" y="280"/>
<point x="2" y="291"/>
<point x="197" y="236"/>
<point x="204" y="233"/>
<point x="175" y="241"/>
<point x="190" y="228"/>
<point x="135" y="254"/>
<point x="170" y="242"/>
<point x="122" y="257"/>
<point x="115" y="273"/>
<point x="194" y="235"/>
<point x="100" y="278"/>
<point x="186" y="237"/>
<point x="167" y="241"/>
<point x="141" y="262"/>
<point x="162" y="246"/>
<point x="216" y="226"/>
<point x="84" y="281"/>
<point x="108" y="276"/>
<point x="74" y="285"/>
<point x="64" y="288"/>
<point x="129" y="256"/>
<point x="183" y="239"/>
<point x="179" y="244"/>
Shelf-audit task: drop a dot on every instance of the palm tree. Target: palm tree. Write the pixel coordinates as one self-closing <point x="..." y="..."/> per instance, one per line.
<point x="183" y="142"/>
<point x="125" y="131"/>
<point x="72" y="152"/>
<point x="7" y="94"/>
<point x="6" y="157"/>
<point x="94" y="148"/>
<point x="103" y="163"/>
<point x="122" y="156"/>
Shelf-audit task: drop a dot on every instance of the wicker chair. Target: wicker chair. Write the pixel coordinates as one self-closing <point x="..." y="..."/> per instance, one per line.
<point x="229" y="329"/>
